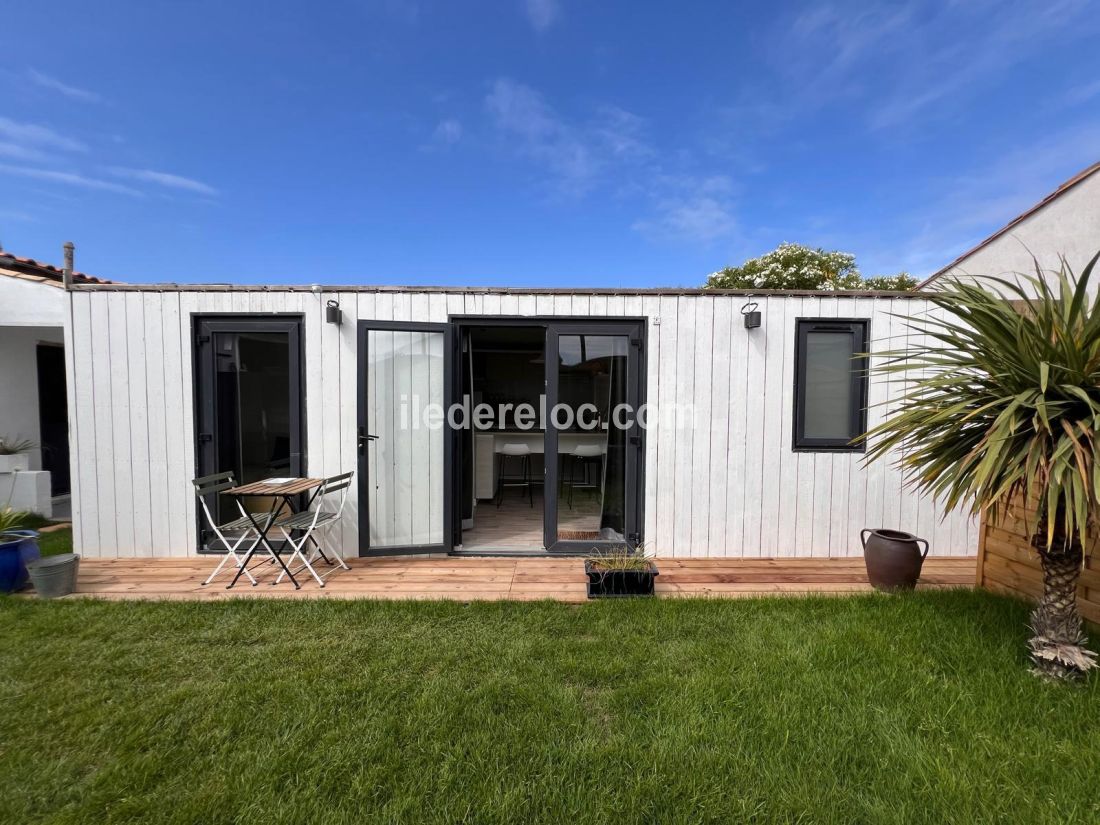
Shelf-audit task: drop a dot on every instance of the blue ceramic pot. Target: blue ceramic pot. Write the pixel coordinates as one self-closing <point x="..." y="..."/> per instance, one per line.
<point x="17" y="547"/>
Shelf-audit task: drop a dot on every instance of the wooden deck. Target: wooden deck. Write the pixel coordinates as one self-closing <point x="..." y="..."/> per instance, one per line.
<point x="468" y="579"/>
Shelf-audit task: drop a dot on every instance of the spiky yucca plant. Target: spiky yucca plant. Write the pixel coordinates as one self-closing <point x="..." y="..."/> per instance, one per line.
<point x="1004" y="406"/>
<point x="11" y="519"/>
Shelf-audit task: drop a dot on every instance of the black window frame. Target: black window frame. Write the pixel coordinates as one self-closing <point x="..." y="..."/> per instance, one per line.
<point x="857" y="411"/>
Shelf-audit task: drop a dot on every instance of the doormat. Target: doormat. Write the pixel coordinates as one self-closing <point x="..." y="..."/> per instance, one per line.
<point x="579" y="535"/>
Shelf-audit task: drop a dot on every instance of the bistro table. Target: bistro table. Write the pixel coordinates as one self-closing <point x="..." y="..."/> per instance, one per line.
<point x="282" y="492"/>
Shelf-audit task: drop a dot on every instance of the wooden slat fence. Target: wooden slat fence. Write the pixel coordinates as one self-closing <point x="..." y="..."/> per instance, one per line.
<point x="1007" y="563"/>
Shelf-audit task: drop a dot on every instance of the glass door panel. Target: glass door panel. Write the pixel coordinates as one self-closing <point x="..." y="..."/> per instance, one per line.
<point x="249" y="402"/>
<point x="594" y="393"/>
<point x="253" y="387"/>
<point x="403" y="437"/>
<point x="591" y="455"/>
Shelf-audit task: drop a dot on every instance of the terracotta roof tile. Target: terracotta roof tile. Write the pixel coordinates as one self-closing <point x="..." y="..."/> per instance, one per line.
<point x="17" y="265"/>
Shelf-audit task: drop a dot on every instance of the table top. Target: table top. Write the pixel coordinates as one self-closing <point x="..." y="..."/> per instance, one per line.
<point x="287" y="487"/>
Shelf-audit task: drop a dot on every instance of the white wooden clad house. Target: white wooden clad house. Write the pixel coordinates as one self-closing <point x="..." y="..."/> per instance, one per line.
<point x="731" y="485"/>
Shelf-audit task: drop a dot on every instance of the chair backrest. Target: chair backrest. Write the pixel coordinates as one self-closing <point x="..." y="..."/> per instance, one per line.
<point x="338" y="484"/>
<point x="206" y="486"/>
<point x="214" y="483"/>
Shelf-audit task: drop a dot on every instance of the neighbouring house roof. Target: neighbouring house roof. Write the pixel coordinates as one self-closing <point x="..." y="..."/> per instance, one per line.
<point x="28" y="269"/>
<point x="1084" y="174"/>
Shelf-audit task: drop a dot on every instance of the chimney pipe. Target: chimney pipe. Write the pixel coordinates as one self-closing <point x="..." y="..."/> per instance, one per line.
<point x="67" y="271"/>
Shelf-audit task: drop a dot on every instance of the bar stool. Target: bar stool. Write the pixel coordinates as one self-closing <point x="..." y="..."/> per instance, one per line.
<point x="588" y="455"/>
<point x="523" y="453"/>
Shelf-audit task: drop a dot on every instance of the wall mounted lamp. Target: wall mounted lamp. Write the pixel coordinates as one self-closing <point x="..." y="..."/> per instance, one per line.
<point x="332" y="312"/>
<point x="751" y="315"/>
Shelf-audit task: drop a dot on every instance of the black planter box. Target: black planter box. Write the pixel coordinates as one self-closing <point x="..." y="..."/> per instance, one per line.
<point x="614" y="584"/>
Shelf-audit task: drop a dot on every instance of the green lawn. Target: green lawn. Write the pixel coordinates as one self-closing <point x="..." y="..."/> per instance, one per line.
<point x="56" y="541"/>
<point x="867" y="709"/>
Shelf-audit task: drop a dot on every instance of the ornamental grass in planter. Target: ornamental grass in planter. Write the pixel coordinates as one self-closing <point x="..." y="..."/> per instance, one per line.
<point x="14" y="456"/>
<point x="619" y="573"/>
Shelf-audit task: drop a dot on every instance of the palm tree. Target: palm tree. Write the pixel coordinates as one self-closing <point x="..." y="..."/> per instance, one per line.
<point x="1003" y="400"/>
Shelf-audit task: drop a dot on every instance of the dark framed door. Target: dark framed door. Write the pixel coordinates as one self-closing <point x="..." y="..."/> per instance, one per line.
<point x="53" y="416"/>
<point x="594" y="443"/>
<point x="406" y="445"/>
<point x="249" y="410"/>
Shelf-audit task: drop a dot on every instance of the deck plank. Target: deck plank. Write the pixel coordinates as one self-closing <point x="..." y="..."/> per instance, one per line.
<point x="495" y="578"/>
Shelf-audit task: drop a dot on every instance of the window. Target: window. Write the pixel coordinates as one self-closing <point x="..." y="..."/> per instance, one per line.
<point x="830" y="393"/>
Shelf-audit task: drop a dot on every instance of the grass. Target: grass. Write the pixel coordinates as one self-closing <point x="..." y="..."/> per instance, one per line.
<point x="867" y="709"/>
<point x="56" y="541"/>
<point x="33" y="521"/>
<point x="53" y="542"/>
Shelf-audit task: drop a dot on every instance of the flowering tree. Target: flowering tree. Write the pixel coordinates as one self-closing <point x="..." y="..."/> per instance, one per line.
<point x="794" y="266"/>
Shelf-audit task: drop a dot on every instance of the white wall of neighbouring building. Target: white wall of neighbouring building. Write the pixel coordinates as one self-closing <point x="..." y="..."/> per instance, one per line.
<point x="731" y="486"/>
<point x="26" y="302"/>
<point x="19" y="383"/>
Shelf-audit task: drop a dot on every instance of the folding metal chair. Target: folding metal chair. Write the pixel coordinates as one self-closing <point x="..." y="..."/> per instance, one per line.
<point x="314" y="527"/>
<point x="232" y="534"/>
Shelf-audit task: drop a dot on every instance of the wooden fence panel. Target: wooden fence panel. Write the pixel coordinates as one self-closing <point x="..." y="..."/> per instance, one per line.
<point x="1007" y="563"/>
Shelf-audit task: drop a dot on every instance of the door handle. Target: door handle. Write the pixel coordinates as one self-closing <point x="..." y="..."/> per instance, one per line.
<point x="364" y="439"/>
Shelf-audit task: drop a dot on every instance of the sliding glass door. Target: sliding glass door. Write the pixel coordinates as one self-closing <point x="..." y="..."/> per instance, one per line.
<point x="405" y="449"/>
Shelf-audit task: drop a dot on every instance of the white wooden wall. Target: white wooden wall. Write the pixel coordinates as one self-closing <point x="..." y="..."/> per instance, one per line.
<point x="731" y="486"/>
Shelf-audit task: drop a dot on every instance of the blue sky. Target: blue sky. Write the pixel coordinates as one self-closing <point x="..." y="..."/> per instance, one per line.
<point x="530" y="142"/>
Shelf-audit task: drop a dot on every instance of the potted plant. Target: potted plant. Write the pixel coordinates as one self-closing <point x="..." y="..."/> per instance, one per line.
<point x="1002" y="408"/>
<point x="13" y="454"/>
<point x="621" y="572"/>
<point x="17" y="549"/>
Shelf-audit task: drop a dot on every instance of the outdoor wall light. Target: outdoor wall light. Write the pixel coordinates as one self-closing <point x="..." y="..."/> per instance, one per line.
<point x="751" y="315"/>
<point x="332" y="312"/>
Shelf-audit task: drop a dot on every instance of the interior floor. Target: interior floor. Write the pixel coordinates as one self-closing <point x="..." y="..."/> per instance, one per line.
<point x="517" y="523"/>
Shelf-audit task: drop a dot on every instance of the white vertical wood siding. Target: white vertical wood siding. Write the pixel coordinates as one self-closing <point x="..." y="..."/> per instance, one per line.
<point x="728" y="486"/>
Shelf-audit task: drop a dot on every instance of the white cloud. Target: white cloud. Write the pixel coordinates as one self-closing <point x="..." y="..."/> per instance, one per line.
<point x="20" y="152"/>
<point x="542" y="13"/>
<point x="1081" y="94"/>
<point x="622" y="132"/>
<point x="575" y="153"/>
<point x="610" y="149"/>
<point x="900" y="63"/>
<point x="165" y="179"/>
<point x="965" y="209"/>
<point x="52" y="83"/>
<point x="689" y="208"/>
<point x="448" y="132"/>
<point x="696" y="218"/>
<point x="985" y="43"/>
<point x="521" y="112"/>
<point x="30" y="135"/>
<point x="15" y="215"/>
<point x="69" y="179"/>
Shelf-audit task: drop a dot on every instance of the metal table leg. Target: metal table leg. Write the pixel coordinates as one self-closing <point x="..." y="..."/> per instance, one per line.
<point x="273" y="514"/>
